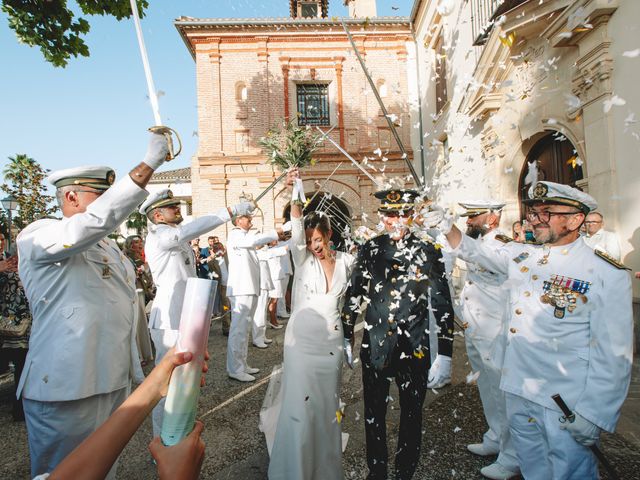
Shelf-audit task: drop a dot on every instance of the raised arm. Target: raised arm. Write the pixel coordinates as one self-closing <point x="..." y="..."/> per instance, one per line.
<point x="49" y="241"/>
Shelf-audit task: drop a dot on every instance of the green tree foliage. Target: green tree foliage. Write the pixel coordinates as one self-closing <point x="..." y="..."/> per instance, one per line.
<point x="24" y="180"/>
<point x="53" y="27"/>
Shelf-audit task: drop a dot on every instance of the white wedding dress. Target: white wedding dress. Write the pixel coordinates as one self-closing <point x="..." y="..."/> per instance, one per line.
<point x="300" y="416"/>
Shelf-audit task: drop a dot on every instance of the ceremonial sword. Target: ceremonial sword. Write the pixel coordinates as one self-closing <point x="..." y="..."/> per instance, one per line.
<point x="392" y="127"/>
<point x="344" y="152"/>
<point x="570" y="416"/>
<point x="153" y="97"/>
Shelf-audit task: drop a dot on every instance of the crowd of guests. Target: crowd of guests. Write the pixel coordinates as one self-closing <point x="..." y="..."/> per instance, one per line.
<point x="93" y="304"/>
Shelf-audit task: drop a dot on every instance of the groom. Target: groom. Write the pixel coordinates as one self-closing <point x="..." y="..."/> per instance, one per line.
<point x="399" y="279"/>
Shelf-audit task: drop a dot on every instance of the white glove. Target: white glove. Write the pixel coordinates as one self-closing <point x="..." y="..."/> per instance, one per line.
<point x="431" y="216"/>
<point x="440" y="372"/>
<point x="286" y="227"/>
<point x="243" y="208"/>
<point x="157" y="151"/>
<point x="348" y="353"/>
<point x="582" y="430"/>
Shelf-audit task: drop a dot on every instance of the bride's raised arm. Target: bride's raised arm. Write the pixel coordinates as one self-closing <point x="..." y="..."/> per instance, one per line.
<point x="298" y="239"/>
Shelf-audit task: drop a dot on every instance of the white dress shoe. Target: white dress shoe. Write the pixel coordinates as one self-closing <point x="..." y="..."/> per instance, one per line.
<point x="482" y="449"/>
<point x="267" y="341"/>
<point x="242" y="377"/>
<point x="251" y="370"/>
<point x="275" y="327"/>
<point x="495" y="471"/>
<point x="284" y="315"/>
<point x="260" y="345"/>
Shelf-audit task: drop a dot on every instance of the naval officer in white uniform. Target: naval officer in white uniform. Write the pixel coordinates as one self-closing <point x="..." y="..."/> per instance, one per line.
<point x="82" y="294"/>
<point x="243" y="288"/>
<point x="483" y="300"/>
<point x="172" y="262"/>
<point x="570" y="333"/>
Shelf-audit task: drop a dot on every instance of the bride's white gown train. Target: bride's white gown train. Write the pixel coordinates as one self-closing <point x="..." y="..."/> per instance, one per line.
<point x="300" y="416"/>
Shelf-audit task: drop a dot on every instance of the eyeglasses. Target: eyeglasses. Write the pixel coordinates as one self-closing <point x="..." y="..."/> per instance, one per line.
<point x="588" y="222"/>
<point x="545" y="216"/>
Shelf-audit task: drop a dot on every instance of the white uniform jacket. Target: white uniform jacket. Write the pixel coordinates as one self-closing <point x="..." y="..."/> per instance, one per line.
<point x="276" y="266"/>
<point x="483" y="299"/>
<point x="603" y="240"/>
<point x="244" y="270"/>
<point x="570" y="326"/>
<point x="82" y="294"/>
<point x="266" y="276"/>
<point x="171" y="260"/>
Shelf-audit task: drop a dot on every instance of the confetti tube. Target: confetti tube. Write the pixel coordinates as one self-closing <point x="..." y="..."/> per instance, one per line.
<point x="184" y="387"/>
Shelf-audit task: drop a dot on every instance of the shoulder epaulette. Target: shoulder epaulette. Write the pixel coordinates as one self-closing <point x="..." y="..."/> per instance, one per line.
<point x="504" y="238"/>
<point x="609" y="259"/>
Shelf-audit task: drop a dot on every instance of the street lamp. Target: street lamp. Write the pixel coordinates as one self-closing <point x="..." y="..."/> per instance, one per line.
<point x="9" y="204"/>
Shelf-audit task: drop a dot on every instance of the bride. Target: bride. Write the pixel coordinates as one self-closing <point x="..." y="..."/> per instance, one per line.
<point x="306" y="413"/>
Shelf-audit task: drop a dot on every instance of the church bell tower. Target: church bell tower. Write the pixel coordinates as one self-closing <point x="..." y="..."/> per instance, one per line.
<point x="309" y="8"/>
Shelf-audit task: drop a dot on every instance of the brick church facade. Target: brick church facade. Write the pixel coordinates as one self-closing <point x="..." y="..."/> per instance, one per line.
<point x="253" y="73"/>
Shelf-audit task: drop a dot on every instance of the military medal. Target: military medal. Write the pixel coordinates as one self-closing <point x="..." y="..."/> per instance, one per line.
<point x="545" y="255"/>
<point x="106" y="272"/>
<point x="522" y="257"/>
<point x="563" y="293"/>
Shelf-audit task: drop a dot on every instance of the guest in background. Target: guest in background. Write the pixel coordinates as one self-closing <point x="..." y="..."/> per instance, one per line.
<point x="134" y="250"/>
<point x="600" y="239"/>
<point x="15" y="322"/>
<point x="517" y="232"/>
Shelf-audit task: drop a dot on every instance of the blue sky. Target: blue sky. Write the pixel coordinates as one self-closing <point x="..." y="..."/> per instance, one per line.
<point x="95" y="110"/>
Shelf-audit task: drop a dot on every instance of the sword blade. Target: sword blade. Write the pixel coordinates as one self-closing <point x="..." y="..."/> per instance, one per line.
<point x="392" y="127"/>
<point x="153" y="97"/>
<point x="270" y="187"/>
<point x="344" y="152"/>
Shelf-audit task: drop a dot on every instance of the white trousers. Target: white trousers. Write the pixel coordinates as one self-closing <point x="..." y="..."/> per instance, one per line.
<point x="259" y="323"/>
<point x="493" y="401"/>
<point x="281" y="309"/>
<point x="164" y="340"/>
<point x="55" y="429"/>
<point x="243" y="308"/>
<point x="544" y="451"/>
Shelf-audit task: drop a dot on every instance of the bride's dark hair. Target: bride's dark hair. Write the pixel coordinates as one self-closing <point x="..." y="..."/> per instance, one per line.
<point x="318" y="220"/>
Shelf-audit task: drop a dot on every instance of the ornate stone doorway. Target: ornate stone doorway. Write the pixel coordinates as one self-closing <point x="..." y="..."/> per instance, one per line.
<point x="557" y="160"/>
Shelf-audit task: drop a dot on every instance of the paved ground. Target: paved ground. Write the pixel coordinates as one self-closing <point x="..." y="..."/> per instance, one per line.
<point x="236" y="449"/>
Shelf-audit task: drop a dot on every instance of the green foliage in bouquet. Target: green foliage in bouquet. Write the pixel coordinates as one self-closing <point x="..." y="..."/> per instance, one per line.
<point x="290" y="145"/>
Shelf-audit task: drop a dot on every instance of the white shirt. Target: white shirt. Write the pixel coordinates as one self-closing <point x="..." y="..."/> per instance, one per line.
<point x="244" y="269"/>
<point x="582" y="352"/>
<point x="82" y="294"/>
<point x="603" y="240"/>
<point x="171" y="260"/>
<point x="483" y="298"/>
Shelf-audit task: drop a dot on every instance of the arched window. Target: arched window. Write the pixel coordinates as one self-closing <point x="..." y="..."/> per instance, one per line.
<point x="241" y="92"/>
<point x="241" y="100"/>
<point x="382" y="88"/>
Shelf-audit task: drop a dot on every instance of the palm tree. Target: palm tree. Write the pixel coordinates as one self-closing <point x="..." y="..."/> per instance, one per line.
<point x="24" y="179"/>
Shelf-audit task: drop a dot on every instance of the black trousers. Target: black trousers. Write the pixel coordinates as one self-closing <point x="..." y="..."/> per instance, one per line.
<point x="410" y="374"/>
<point x="18" y="357"/>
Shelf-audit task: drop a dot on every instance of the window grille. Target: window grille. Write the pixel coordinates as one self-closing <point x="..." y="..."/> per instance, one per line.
<point x="313" y="104"/>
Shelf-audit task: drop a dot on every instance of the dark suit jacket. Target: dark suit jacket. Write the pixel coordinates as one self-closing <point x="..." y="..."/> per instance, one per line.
<point x="399" y="283"/>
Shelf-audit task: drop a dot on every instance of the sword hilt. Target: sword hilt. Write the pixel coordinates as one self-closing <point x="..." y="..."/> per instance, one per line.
<point x="169" y="132"/>
<point x="566" y="411"/>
